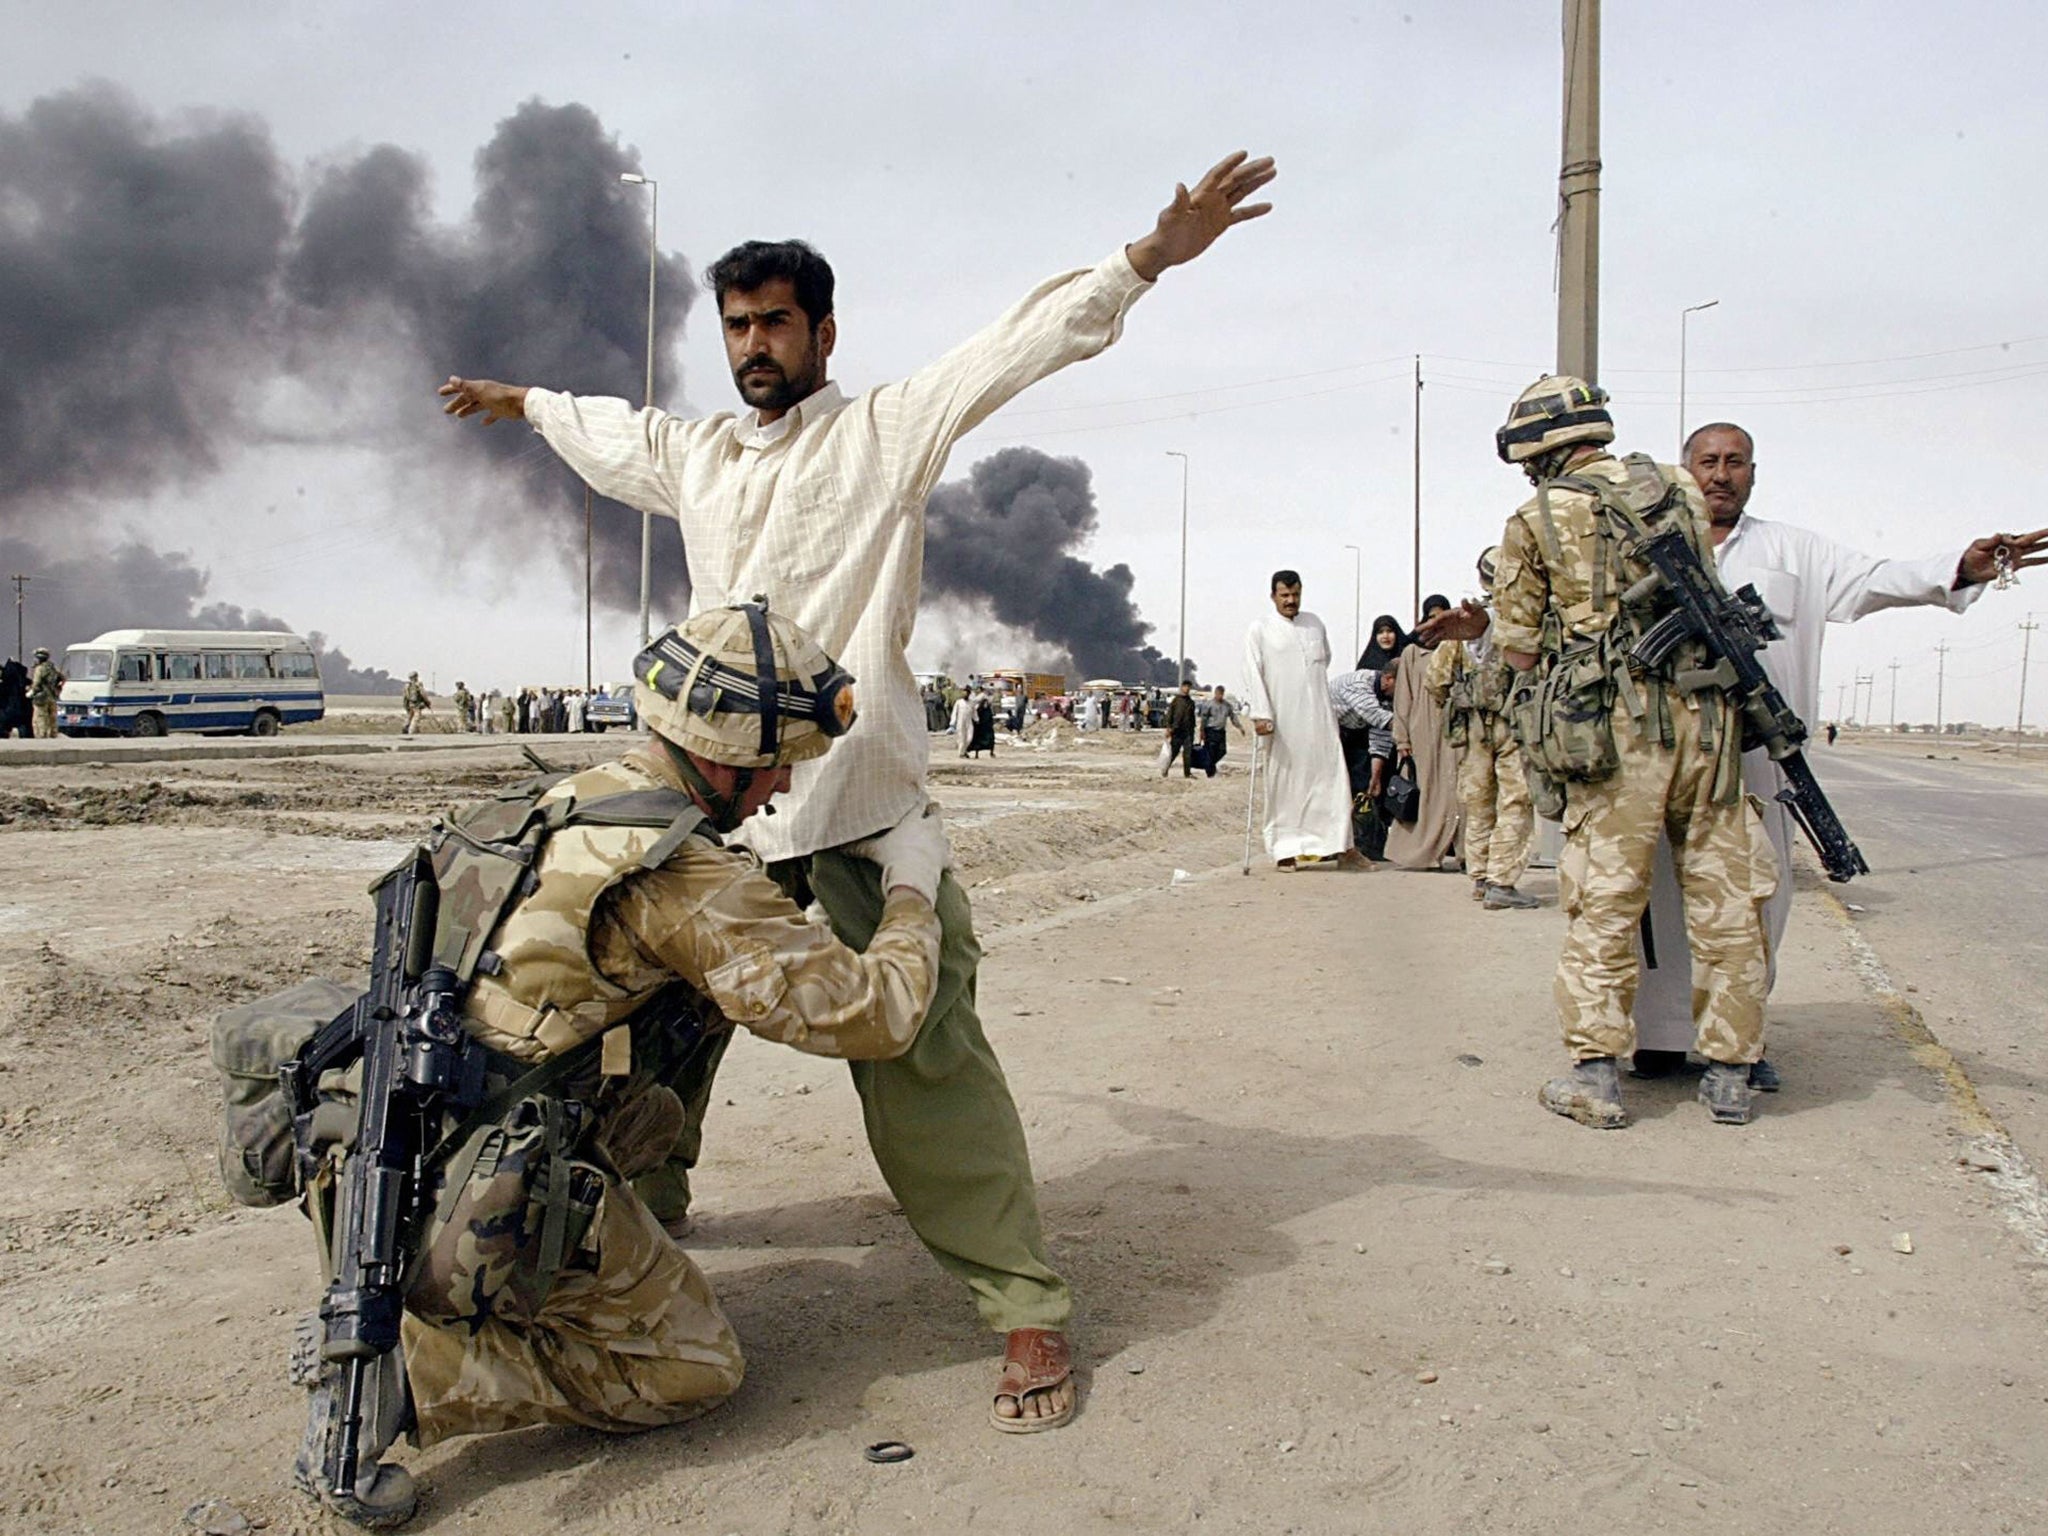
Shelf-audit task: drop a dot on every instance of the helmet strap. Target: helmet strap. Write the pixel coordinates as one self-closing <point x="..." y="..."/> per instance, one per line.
<point x="723" y="811"/>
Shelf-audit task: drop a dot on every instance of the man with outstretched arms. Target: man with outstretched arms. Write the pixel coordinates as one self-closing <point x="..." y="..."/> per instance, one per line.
<point x="818" y="500"/>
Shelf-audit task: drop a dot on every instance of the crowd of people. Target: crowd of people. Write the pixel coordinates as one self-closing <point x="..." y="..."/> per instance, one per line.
<point x="1197" y="726"/>
<point x="524" y="711"/>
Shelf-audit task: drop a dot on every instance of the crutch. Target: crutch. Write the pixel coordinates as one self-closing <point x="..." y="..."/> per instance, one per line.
<point x="1251" y="800"/>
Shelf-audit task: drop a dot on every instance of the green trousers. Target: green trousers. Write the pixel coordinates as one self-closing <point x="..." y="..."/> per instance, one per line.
<point x="940" y="1118"/>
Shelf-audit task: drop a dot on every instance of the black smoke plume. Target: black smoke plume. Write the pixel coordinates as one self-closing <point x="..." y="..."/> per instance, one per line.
<point x="71" y="600"/>
<point x="1005" y="535"/>
<point x="158" y="276"/>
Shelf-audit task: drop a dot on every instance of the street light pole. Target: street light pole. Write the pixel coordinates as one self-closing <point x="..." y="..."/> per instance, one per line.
<point x="1180" y="667"/>
<point x="647" y="399"/>
<point x="20" y="587"/>
<point x="1357" y="639"/>
<point x="1683" y="316"/>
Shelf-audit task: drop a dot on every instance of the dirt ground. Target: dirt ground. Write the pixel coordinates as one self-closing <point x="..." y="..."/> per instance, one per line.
<point x="1336" y="1270"/>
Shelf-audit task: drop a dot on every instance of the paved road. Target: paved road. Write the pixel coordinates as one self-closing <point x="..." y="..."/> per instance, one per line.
<point x="1957" y="909"/>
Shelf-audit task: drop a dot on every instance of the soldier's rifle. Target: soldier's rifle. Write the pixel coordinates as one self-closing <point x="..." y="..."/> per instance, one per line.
<point x="418" y="1064"/>
<point x="1733" y="629"/>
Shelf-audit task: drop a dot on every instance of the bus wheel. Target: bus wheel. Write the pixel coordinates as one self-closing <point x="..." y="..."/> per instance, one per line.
<point x="149" y="723"/>
<point x="265" y="723"/>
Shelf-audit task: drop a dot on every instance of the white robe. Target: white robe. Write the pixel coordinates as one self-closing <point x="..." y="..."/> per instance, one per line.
<point x="963" y="722"/>
<point x="1287" y="681"/>
<point x="1807" y="582"/>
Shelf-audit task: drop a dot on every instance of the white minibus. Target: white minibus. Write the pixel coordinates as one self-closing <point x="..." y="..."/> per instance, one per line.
<point x="144" y="682"/>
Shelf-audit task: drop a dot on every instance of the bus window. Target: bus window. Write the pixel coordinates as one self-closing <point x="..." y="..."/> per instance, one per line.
<point x="251" y="664"/>
<point x="135" y="667"/>
<point x="181" y="666"/>
<point x="297" y="664"/>
<point x="218" y="666"/>
<point x="88" y="666"/>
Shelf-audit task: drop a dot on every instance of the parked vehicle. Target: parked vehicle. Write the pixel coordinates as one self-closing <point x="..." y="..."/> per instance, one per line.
<point x="144" y="682"/>
<point x="609" y="707"/>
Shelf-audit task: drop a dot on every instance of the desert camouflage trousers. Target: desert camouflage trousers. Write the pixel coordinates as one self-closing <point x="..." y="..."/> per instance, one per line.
<point x="43" y="719"/>
<point x="1727" y="870"/>
<point x="618" y="1332"/>
<point x="1495" y="794"/>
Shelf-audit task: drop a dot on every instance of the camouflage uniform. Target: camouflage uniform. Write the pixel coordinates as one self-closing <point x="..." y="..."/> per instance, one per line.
<point x="44" y="684"/>
<point x="465" y="709"/>
<point x="1679" y="772"/>
<point x="415" y="702"/>
<point x="621" y="1332"/>
<point x="1491" y="784"/>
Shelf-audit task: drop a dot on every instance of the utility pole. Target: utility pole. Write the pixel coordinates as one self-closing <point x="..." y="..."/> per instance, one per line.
<point x="1180" y="663"/>
<point x="20" y="582"/>
<point x="2026" y="652"/>
<point x="1895" y="693"/>
<point x="586" y="591"/>
<point x="1578" y="196"/>
<point x="1415" y="603"/>
<point x="1940" y="677"/>
<point x="1840" y="689"/>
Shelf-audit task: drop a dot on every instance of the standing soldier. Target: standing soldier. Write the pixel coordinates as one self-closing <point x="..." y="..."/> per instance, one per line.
<point x="44" y="684"/>
<point x="1469" y="681"/>
<point x="1625" y="754"/>
<point x="415" y="702"/>
<point x="465" y="707"/>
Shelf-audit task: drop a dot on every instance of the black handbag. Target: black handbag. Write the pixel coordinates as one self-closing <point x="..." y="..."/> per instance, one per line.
<point x="1404" y="795"/>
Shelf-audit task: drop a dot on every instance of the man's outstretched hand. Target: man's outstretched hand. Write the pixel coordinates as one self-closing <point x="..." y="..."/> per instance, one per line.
<point x="1193" y="221"/>
<point x="1467" y="621"/>
<point x="498" y="402"/>
<point x="1980" y="560"/>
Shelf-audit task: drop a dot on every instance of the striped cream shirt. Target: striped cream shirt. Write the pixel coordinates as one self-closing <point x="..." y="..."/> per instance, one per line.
<point x="826" y="516"/>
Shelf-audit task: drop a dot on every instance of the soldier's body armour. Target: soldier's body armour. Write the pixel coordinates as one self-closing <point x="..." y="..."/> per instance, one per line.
<point x="537" y="991"/>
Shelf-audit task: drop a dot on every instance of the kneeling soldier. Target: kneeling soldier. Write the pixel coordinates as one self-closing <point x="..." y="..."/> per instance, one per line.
<point x="543" y="1291"/>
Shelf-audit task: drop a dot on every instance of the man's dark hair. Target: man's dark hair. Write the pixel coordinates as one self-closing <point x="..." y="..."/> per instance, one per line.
<point x="1284" y="579"/>
<point x="1717" y="426"/>
<point x="746" y="267"/>
<point x="1436" y="602"/>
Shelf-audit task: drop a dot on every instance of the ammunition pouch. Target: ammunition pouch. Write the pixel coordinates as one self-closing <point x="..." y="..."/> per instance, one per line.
<point x="515" y="1205"/>
<point x="1562" y="712"/>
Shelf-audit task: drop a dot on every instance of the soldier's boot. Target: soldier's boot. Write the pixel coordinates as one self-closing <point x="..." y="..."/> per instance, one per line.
<point x="1505" y="898"/>
<point x="383" y="1495"/>
<point x="1590" y="1093"/>
<point x="1479" y="889"/>
<point x="1725" y="1092"/>
<point x="1763" y="1077"/>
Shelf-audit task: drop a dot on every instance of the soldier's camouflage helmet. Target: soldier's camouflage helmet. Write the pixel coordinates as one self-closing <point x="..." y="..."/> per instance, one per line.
<point x="1487" y="562"/>
<point x="42" y="653"/>
<point x="743" y="686"/>
<point x="1553" y="413"/>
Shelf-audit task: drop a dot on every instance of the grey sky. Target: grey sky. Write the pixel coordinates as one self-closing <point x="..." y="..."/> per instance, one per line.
<point x="1848" y="184"/>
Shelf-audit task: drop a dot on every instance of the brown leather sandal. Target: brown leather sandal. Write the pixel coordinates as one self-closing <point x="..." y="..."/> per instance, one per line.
<point x="1034" y="1360"/>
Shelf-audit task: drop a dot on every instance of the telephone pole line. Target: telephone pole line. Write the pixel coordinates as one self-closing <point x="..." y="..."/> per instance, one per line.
<point x="1895" y="693"/>
<point x="1416" y="605"/>
<point x="2026" y="652"/>
<point x="1940" y="677"/>
<point x="20" y="582"/>
<point x="1578" y="196"/>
